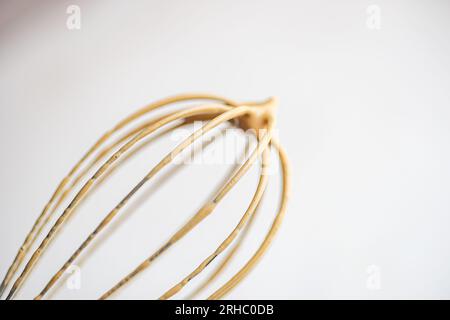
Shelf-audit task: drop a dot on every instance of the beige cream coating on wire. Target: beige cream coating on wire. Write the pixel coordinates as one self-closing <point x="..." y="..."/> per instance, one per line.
<point x="251" y="263"/>
<point x="256" y="116"/>
<point x="165" y="161"/>
<point x="88" y="185"/>
<point x="45" y="215"/>
<point x="201" y="214"/>
<point x="63" y="193"/>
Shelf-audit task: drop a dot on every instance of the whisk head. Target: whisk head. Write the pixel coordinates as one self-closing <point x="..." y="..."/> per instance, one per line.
<point x="122" y="141"/>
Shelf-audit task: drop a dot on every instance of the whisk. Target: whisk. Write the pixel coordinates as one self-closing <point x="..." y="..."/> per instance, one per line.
<point x="258" y="117"/>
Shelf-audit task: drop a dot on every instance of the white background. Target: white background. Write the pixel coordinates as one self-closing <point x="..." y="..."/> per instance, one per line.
<point x="364" y="116"/>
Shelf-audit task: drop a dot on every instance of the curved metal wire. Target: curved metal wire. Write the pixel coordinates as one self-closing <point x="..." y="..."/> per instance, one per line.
<point x="256" y="116"/>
